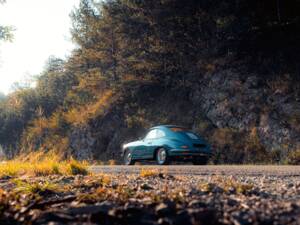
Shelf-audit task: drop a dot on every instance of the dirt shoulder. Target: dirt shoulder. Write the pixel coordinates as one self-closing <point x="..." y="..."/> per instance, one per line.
<point x="150" y="197"/>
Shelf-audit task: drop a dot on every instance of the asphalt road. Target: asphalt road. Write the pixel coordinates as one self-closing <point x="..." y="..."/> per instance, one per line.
<point x="249" y="170"/>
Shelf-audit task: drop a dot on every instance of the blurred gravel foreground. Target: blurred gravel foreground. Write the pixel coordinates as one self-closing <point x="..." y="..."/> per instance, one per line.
<point x="152" y="196"/>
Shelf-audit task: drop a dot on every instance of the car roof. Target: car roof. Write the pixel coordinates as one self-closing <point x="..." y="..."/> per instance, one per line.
<point x="167" y="126"/>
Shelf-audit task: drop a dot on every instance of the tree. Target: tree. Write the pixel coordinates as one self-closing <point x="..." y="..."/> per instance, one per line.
<point x="53" y="85"/>
<point x="95" y="31"/>
<point x="6" y="31"/>
<point x="2" y="96"/>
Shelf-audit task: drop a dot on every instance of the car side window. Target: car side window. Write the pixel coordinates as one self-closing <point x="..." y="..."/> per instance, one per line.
<point x="151" y="134"/>
<point x="160" y="134"/>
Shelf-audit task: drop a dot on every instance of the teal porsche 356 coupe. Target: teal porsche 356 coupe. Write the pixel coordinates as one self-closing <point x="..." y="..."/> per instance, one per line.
<point x="166" y="143"/>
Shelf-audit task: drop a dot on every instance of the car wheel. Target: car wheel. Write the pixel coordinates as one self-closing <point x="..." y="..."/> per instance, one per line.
<point x="162" y="157"/>
<point x="200" y="161"/>
<point x="128" y="158"/>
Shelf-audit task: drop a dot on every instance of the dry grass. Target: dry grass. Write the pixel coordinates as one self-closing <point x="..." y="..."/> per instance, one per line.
<point x="293" y="157"/>
<point x="48" y="133"/>
<point x="74" y="167"/>
<point x="38" y="164"/>
<point x="112" y="162"/>
<point x="231" y="184"/>
<point x="223" y="136"/>
<point x="137" y="119"/>
<point x="149" y="172"/>
<point x="280" y="84"/>
<point x="39" y="156"/>
<point x="35" y="187"/>
<point x="82" y="115"/>
<point x="228" y="185"/>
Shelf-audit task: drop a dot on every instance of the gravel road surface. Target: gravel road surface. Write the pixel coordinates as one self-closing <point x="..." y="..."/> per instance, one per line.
<point x="246" y="170"/>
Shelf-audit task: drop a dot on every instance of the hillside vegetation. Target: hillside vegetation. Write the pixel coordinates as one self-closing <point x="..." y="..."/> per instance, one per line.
<point x="227" y="69"/>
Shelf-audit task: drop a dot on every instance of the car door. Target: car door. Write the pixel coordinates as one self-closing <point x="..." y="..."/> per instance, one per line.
<point x="154" y="143"/>
<point x="139" y="150"/>
<point x="148" y="140"/>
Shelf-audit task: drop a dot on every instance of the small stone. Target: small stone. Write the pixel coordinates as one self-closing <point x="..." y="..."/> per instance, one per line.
<point x="146" y="187"/>
<point x="163" y="209"/>
<point x="208" y="215"/>
<point x="164" y="221"/>
<point x="103" y="207"/>
<point x="197" y="204"/>
<point x="5" y="177"/>
<point x="217" y="189"/>
<point x="232" y="202"/>
<point x="182" y="217"/>
<point x="161" y="175"/>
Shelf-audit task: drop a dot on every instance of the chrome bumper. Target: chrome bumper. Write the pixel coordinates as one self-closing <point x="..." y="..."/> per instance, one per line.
<point x="181" y="152"/>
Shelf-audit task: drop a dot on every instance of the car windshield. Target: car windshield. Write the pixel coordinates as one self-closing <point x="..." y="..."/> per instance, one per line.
<point x="185" y="131"/>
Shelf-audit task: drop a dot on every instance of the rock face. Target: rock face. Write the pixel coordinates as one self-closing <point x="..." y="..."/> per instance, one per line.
<point x="82" y="143"/>
<point x="222" y="100"/>
<point x="230" y="100"/>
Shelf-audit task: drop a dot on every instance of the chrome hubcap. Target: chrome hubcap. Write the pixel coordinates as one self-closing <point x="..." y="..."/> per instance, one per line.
<point x="128" y="157"/>
<point x="161" y="156"/>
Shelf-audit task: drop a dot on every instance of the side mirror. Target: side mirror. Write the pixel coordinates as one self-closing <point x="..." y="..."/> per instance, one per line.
<point x="141" y="138"/>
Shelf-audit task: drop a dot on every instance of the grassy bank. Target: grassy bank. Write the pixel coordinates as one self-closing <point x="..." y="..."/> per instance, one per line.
<point x="41" y="164"/>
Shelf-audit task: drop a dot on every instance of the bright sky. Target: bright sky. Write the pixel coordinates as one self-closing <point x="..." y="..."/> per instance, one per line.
<point x="42" y="30"/>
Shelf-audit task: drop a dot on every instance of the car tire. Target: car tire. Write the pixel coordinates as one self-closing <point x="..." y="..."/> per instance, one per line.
<point x="162" y="157"/>
<point x="200" y="161"/>
<point x="128" y="158"/>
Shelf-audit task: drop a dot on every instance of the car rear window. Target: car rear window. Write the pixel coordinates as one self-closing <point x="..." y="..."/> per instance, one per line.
<point x="185" y="131"/>
<point x="192" y="135"/>
<point x="178" y="129"/>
